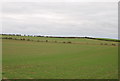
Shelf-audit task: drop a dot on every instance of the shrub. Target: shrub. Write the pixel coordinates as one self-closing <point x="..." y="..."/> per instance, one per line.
<point x="69" y="42"/>
<point x="46" y="40"/>
<point x="114" y="44"/>
<point x="55" y="41"/>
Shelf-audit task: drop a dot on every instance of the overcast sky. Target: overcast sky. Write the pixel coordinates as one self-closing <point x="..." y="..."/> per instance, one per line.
<point x="95" y="19"/>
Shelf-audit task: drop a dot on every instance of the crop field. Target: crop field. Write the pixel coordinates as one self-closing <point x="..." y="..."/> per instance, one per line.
<point x="56" y="59"/>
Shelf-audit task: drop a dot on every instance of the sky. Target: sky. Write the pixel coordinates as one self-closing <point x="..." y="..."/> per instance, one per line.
<point x="65" y="18"/>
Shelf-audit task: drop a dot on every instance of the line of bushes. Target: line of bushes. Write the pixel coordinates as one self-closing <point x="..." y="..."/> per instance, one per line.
<point x="67" y="42"/>
<point x="34" y="40"/>
<point x="103" y="39"/>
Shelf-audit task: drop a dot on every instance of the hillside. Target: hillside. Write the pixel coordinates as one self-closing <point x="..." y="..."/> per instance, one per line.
<point x="58" y="58"/>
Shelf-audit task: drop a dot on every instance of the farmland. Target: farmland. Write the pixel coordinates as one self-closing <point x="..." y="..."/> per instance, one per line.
<point x="59" y="58"/>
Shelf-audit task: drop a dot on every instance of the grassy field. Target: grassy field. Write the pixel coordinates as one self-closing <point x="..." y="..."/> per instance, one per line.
<point x="82" y="59"/>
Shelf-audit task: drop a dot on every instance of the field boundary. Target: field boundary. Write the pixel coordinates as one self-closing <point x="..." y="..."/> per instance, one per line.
<point x="62" y="42"/>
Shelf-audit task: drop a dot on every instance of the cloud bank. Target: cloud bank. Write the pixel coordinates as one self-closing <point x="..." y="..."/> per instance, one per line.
<point x="61" y="18"/>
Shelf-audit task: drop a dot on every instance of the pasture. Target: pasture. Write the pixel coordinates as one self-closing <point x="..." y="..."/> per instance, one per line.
<point x="80" y="59"/>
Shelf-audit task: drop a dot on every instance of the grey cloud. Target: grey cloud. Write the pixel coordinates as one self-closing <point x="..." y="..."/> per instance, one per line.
<point x="61" y="18"/>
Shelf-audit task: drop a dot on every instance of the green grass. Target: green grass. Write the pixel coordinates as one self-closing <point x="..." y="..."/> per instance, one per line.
<point x="109" y="39"/>
<point x="73" y="40"/>
<point x="41" y="60"/>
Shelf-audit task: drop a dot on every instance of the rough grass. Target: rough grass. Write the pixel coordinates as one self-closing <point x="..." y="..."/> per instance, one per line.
<point x="108" y="39"/>
<point x="41" y="60"/>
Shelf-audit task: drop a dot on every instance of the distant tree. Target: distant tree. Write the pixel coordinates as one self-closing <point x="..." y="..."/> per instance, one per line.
<point x="18" y="34"/>
<point x="24" y="35"/>
<point x="55" y="41"/>
<point x="69" y="42"/>
<point x="46" y="40"/>
<point x="23" y="38"/>
<point x="113" y="44"/>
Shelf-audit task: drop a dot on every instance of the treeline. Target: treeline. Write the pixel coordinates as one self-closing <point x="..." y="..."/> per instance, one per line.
<point x="20" y="35"/>
<point x="103" y="39"/>
<point x="11" y="34"/>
